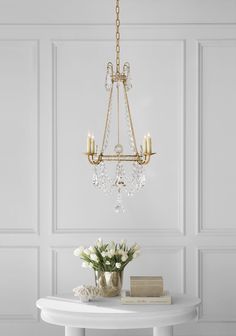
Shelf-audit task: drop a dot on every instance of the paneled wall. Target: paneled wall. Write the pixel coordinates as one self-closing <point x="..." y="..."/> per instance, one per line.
<point x="51" y="93"/>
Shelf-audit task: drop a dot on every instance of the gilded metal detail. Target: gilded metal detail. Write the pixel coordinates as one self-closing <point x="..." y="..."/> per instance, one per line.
<point x="109" y="283"/>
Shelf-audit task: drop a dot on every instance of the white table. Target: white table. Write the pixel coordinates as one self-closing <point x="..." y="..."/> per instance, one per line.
<point x="109" y="313"/>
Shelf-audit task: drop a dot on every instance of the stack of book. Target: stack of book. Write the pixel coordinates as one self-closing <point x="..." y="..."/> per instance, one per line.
<point x="146" y="290"/>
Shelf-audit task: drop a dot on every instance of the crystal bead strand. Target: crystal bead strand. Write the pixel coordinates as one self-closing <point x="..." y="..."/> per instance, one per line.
<point x="108" y="79"/>
<point x="133" y="180"/>
<point x="95" y="180"/>
<point x="108" y="129"/>
<point x="119" y="207"/>
<point x="129" y="129"/>
<point x="126" y="71"/>
<point x="103" y="178"/>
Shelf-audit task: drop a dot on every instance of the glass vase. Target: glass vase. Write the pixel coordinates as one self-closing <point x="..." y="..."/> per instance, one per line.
<point x="109" y="283"/>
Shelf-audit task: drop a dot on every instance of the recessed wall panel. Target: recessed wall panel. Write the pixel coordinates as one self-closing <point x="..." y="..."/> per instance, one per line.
<point x="217" y="284"/>
<point x="217" y="136"/>
<point x="19" y="283"/>
<point x="18" y="136"/>
<point x="80" y="103"/>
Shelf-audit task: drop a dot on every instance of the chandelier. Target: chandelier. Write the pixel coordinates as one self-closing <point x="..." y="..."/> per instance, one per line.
<point x="117" y="168"/>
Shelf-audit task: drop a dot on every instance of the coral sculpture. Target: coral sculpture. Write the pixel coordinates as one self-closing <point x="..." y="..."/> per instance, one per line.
<point x="86" y="293"/>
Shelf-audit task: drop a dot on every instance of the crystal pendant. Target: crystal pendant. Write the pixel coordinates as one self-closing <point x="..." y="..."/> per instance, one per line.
<point x="128" y="83"/>
<point x="126" y="71"/>
<point x="108" y="80"/>
<point x="119" y="207"/>
<point x="95" y="180"/>
<point x="142" y="181"/>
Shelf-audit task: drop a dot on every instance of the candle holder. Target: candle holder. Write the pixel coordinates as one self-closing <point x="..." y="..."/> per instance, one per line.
<point x="141" y="159"/>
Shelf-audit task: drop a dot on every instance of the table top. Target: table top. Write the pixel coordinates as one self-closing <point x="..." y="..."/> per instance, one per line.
<point x="110" y="313"/>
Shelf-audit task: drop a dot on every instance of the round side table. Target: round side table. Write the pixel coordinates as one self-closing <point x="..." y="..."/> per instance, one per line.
<point x="109" y="313"/>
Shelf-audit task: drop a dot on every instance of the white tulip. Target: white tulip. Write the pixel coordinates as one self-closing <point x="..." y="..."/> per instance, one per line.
<point x="118" y="265"/>
<point x="91" y="249"/>
<point x="124" y="257"/>
<point x="94" y="257"/>
<point x="99" y="242"/>
<point x="112" y="252"/>
<point x="136" y="247"/>
<point x="85" y="264"/>
<point x="77" y="252"/>
<point x="108" y="262"/>
<point x="120" y="252"/>
<point x="104" y="254"/>
<point x="112" y="245"/>
<point x="87" y="251"/>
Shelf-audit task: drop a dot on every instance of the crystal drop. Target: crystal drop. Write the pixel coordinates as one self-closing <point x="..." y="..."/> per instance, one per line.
<point x="108" y="82"/>
<point x="95" y="180"/>
<point x="126" y="71"/>
<point x="128" y="83"/>
<point x="142" y="181"/>
<point x="118" y="148"/>
<point x="118" y="208"/>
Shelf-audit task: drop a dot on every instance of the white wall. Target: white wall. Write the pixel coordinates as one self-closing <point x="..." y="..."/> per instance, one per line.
<point x="52" y="63"/>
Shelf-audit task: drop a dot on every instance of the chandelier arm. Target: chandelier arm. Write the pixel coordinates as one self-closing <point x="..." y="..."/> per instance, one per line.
<point x="94" y="160"/>
<point x="107" y="118"/>
<point x="117" y="36"/>
<point x="130" y="118"/>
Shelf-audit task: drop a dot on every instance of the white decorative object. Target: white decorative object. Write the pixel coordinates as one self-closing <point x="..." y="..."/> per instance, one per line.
<point x="109" y="313"/>
<point x="86" y="293"/>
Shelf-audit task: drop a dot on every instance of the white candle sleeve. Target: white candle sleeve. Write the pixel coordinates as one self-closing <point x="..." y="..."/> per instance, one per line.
<point x="145" y="145"/>
<point x="89" y="144"/>
<point x="92" y="145"/>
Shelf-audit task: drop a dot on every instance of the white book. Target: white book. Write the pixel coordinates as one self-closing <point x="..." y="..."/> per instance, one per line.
<point x="127" y="299"/>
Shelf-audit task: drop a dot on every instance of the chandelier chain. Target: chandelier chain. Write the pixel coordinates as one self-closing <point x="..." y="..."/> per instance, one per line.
<point x="118" y="36"/>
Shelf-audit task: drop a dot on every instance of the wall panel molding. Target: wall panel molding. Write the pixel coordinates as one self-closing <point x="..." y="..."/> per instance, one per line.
<point x="36" y="45"/>
<point x="34" y="316"/>
<point x="202" y="44"/>
<point x="201" y="252"/>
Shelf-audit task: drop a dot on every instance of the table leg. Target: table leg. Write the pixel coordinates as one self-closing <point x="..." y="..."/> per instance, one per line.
<point x="70" y="331"/>
<point x="163" y="331"/>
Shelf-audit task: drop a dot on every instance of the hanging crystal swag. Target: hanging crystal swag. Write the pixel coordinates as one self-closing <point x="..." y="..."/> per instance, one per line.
<point x="123" y="179"/>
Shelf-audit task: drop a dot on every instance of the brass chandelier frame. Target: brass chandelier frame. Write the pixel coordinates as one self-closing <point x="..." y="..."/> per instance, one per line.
<point x="143" y="156"/>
